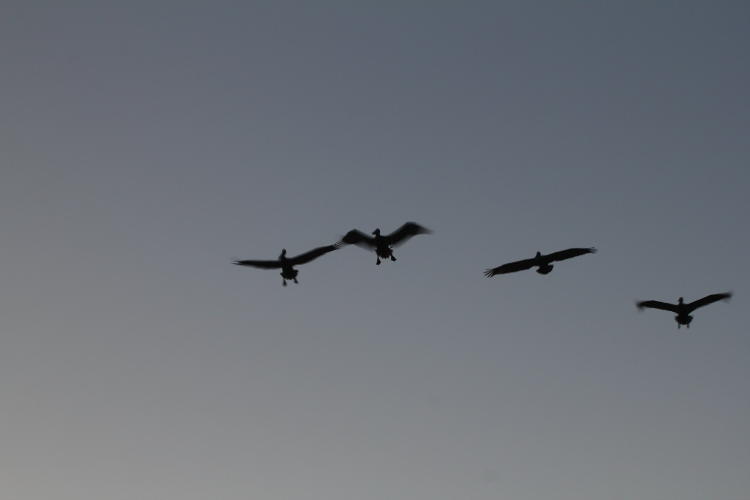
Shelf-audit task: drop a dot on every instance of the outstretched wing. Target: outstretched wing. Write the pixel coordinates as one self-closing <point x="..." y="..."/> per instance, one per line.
<point x="511" y="267"/>
<point x="655" y="304"/>
<point x="708" y="299"/>
<point x="569" y="253"/>
<point x="262" y="264"/>
<point x="405" y="232"/>
<point x="311" y="255"/>
<point x="356" y="237"/>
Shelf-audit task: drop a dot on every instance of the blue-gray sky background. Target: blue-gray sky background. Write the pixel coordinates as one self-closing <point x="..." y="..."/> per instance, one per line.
<point x="146" y="144"/>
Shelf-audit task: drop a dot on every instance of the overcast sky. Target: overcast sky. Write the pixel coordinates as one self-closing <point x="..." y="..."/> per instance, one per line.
<point x="147" y="144"/>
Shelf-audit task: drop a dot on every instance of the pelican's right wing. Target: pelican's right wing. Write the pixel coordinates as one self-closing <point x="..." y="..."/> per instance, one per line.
<point x="262" y="264"/>
<point x="655" y="304"/>
<point x="511" y="267"/>
<point x="356" y="237"/>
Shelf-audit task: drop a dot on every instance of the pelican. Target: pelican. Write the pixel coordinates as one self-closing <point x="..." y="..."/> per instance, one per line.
<point x="382" y="243"/>
<point x="683" y="310"/>
<point x="287" y="263"/>
<point x="542" y="262"/>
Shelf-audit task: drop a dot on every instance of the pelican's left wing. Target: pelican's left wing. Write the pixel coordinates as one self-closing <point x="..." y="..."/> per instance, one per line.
<point x="569" y="253"/>
<point x="405" y="232"/>
<point x="312" y="254"/>
<point x="708" y="299"/>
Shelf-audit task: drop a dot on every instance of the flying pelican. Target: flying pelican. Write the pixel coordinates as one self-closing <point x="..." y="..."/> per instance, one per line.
<point x="542" y="261"/>
<point x="287" y="263"/>
<point x="683" y="310"/>
<point x="382" y="244"/>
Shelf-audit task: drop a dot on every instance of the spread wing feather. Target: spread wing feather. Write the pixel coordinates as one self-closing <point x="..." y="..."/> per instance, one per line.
<point x="356" y="237"/>
<point x="311" y="255"/>
<point x="708" y="299"/>
<point x="511" y="267"/>
<point x="405" y="232"/>
<point x="655" y="304"/>
<point x="569" y="253"/>
<point x="262" y="264"/>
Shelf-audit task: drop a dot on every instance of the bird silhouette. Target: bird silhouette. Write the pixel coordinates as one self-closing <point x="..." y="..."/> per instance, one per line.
<point x="382" y="244"/>
<point x="286" y="264"/>
<point x="683" y="310"/>
<point x="543" y="262"/>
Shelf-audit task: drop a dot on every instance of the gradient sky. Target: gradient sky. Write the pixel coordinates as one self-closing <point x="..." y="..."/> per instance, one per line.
<point x="147" y="144"/>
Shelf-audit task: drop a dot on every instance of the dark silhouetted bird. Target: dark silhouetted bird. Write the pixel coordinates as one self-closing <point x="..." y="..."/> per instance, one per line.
<point x="539" y="260"/>
<point x="683" y="310"/>
<point x="286" y="264"/>
<point x="382" y="244"/>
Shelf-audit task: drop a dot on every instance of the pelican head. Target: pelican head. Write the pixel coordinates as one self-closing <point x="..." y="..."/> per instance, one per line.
<point x="376" y="232"/>
<point x="283" y="253"/>
<point x="680" y="301"/>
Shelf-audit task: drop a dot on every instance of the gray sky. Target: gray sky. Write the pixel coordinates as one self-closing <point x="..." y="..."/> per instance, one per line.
<point x="147" y="144"/>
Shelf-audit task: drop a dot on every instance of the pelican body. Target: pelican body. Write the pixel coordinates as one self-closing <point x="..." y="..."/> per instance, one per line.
<point x="683" y="314"/>
<point x="382" y="249"/>
<point x="288" y="272"/>
<point x="543" y="266"/>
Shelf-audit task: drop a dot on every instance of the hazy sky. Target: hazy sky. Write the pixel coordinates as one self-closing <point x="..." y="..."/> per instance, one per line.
<point x="146" y="144"/>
